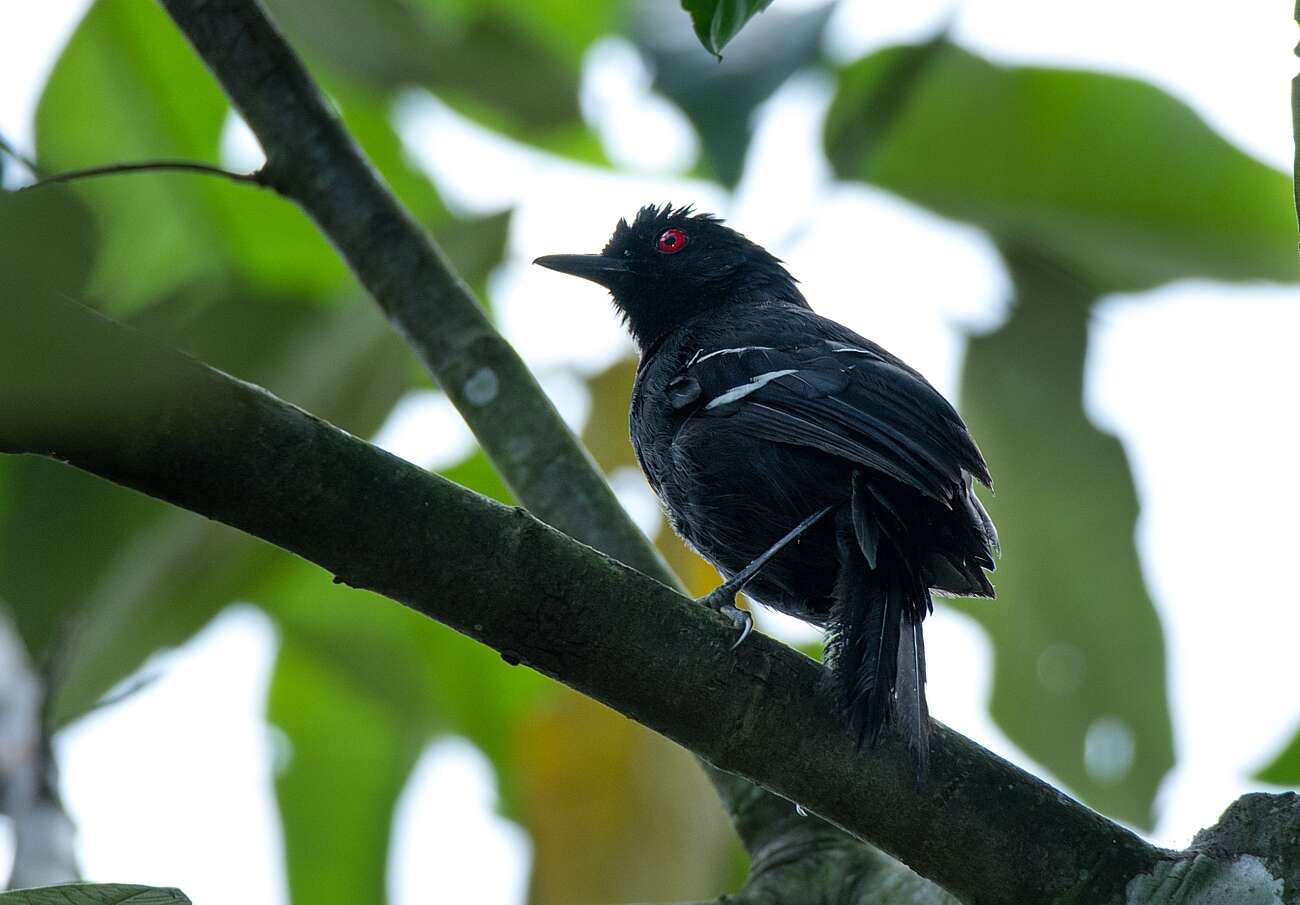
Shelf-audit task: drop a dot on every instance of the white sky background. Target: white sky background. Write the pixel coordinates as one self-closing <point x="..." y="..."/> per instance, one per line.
<point x="1198" y="380"/>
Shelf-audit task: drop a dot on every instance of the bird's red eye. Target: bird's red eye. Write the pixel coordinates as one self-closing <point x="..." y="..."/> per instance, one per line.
<point x="671" y="241"/>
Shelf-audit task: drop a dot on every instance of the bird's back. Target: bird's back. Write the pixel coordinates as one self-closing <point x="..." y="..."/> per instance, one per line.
<point x="747" y="422"/>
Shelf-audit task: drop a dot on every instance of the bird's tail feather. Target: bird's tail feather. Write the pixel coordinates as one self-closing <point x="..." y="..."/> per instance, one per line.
<point x="911" y="712"/>
<point x="875" y="647"/>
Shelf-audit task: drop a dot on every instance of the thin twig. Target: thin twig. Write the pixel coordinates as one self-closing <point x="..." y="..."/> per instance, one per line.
<point x="147" y="166"/>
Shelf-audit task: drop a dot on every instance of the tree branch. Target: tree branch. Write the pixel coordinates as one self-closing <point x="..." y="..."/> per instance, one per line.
<point x="81" y="389"/>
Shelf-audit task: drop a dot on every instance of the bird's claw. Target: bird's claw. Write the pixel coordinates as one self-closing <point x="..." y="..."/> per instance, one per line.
<point x="722" y="601"/>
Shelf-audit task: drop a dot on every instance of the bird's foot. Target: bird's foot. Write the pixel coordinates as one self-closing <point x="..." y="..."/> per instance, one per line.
<point x="723" y="600"/>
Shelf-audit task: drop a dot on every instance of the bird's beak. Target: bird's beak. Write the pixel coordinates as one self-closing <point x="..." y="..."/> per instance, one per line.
<point x="597" y="268"/>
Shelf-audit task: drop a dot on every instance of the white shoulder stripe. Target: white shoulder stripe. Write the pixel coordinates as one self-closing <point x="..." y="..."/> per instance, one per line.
<point x="755" y="383"/>
<point x="736" y="351"/>
<point x="840" y="347"/>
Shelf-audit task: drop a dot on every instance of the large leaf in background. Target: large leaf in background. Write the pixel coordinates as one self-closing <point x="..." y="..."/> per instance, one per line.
<point x="1110" y="177"/>
<point x="348" y="757"/>
<point x="165" y="231"/>
<point x="617" y="813"/>
<point x="95" y="894"/>
<point x="567" y="27"/>
<point x="47" y="246"/>
<point x="150" y="98"/>
<point x="360" y="687"/>
<point x="143" y="576"/>
<point x="1284" y="770"/>
<point x="162" y="573"/>
<point x="716" y="22"/>
<point x="1079" y="679"/>
<point x="719" y="99"/>
<point x="472" y="52"/>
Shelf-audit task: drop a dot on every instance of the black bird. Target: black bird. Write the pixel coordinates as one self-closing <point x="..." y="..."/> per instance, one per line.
<point x="809" y="465"/>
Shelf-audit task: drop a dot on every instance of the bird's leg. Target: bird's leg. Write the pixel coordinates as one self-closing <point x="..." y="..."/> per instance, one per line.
<point x="723" y="598"/>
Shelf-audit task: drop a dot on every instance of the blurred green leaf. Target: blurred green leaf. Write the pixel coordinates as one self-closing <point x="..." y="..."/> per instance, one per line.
<point x="151" y="98"/>
<point x="568" y="27"/>
<point x="1079" y="651"/>
<point x="368" y="117"/>
<point x="95" y="894"/>
<point x="480" y="53"/>
<point x="716" y="22"/>
<point x="604" y="435"/>
<point x="361" y="685"/>
<point x="167" y="231"/>
<point x="718" y="99"/>
<point x="48" y="244"/>
<point x="475" y="247"/>
<point x="350" y="751"/>
<point x="1108" y="176"/>
<point x="1283" y="770"/>
<point x="603" y="790"/>
<point x="47" y="247"/>
<point x="153" y="575"/>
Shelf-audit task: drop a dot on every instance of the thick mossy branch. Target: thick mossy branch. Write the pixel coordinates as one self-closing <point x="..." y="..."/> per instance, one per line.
<point x="78" y="388"/>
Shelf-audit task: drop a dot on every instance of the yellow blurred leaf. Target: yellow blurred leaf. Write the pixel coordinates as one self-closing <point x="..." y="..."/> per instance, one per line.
<point x="617" y="812"/>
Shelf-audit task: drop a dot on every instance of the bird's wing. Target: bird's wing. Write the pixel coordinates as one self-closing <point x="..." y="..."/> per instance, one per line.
<point x="856" y="403"/>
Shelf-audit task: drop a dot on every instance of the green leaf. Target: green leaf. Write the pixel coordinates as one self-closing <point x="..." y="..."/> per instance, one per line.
<point x="720" y="100"/>
<point x="1079" y="675"/>
<point x="48" y="244"/>
<point x="47" y="247"/>
<point x="474" y="52"/>
<point x="590" y="779"/>
<point x="351" y="748"/>
<point x="367" y="114"/>
<point x="145" y="576"/>
<point x="1109" y="177"/>
<point x="361" y="685"/>
<point x="164" y="232"/>
<point x="567" y="27"/>
<point x="151" y="98"/>
<point x="1284" y="769"/>
<point x="475" y="247"/>
<point x="95" y="894"/>
<point x="716" y="22"/>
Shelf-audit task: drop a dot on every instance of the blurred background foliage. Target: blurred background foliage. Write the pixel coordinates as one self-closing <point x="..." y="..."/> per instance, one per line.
<point x="1086" y="183"/>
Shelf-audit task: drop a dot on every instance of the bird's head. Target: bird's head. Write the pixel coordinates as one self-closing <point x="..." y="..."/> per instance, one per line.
<point x="669" y="265"/>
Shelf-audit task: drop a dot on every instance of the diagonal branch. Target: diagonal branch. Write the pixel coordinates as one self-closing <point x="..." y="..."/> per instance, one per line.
<point x="79" y="388"/>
